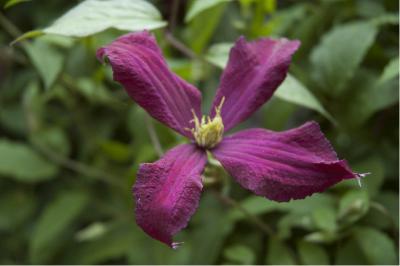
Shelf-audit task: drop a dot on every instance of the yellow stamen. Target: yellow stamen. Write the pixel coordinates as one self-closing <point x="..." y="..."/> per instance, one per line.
<point x="208" y="132"/>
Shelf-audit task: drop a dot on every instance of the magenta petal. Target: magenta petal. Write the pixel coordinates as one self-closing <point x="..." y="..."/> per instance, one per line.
<point x="138" y="64"/>
<point x="167" y="192"/>
<point x="254" y="71"/>
<point x="282" y="165"/>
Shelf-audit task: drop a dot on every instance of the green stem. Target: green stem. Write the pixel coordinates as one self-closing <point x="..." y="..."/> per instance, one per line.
<point x="153" y="136"/>
<point x="257" y="221"/>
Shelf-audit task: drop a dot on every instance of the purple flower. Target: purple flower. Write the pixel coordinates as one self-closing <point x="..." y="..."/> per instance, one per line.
<point x="277" y="165"/>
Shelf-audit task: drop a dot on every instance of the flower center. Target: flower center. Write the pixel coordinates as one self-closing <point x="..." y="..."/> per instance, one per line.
<point x="208" y="132"/>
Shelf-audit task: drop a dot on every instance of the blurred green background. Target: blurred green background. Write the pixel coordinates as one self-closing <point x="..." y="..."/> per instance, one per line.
<point x="71" y="139"/>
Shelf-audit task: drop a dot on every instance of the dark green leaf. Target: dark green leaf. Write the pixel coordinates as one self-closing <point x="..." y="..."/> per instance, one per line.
<point x="199" y="6"/>
<point x="54" y="221"/>
<point x="279" y="253"/>
<point x="312" y="254"/>
<point x="339" y="54"/>
<point x="239" y="254"/>
<point x="353" y="205"/>
<point x="377" y="247"/>
<point x="47" y="60"/>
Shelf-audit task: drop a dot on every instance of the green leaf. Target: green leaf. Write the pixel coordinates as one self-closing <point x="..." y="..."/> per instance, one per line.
<point x="115" y="150"/>
<point x="390" y="200"/>
<point x="54" y="221"/>
<point x="293" y="91"/>
<point x="293" y="220"/>
<point x="11" y="3"/>
<point x="325" y="219"/>
<point x="93" y="16"/>
<point x="16" y="207"/>
<point x="384" y="19"/>
<point x="383" y="90"/>
<point x="47" y="60"/>
<point x="258" y="205"/>
<point x="218" y="54"/>
<point x="239" y="254"/>
<point x="210" y="209"/>
<point x="199" y="6"/>
<point x="201" y="29"/>
<point x="54" y="138"/>
<point x="114" y="243"/>
<point x="279" y="253"/>
<point x="349" y="253"/>
<point x="340" y="53"/>
<point x="312" y="254"/>
<point x="391" y="70"/>
<point x="353" y="205"/>
<point x="377" y="247"/>
<point x="24" y="164"/>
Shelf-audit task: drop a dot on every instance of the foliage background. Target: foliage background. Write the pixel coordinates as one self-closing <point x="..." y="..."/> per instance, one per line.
<point x="71" y="140"/>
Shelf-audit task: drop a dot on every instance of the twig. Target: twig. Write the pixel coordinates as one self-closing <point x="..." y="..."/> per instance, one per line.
<point x="153" y="136"/>
<point x="77" y="166"/>
<point x="180" y="46"/>
<point x="174" y="15"/>
<point x="9" y="26"/>
<point x="257" y="221"/>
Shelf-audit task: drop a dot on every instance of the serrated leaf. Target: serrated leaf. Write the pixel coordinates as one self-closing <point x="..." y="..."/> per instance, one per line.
<point x="199" y="6"/>
<point x="339" y="54"/>
<point x="54" y="220"/>
<point x="377" y="247"/>
<point x="23" y="163"/>
<point x="312" y="254"/>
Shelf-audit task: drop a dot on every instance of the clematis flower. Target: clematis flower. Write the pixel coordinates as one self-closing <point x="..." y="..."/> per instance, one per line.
<point x="279" y="166"/>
